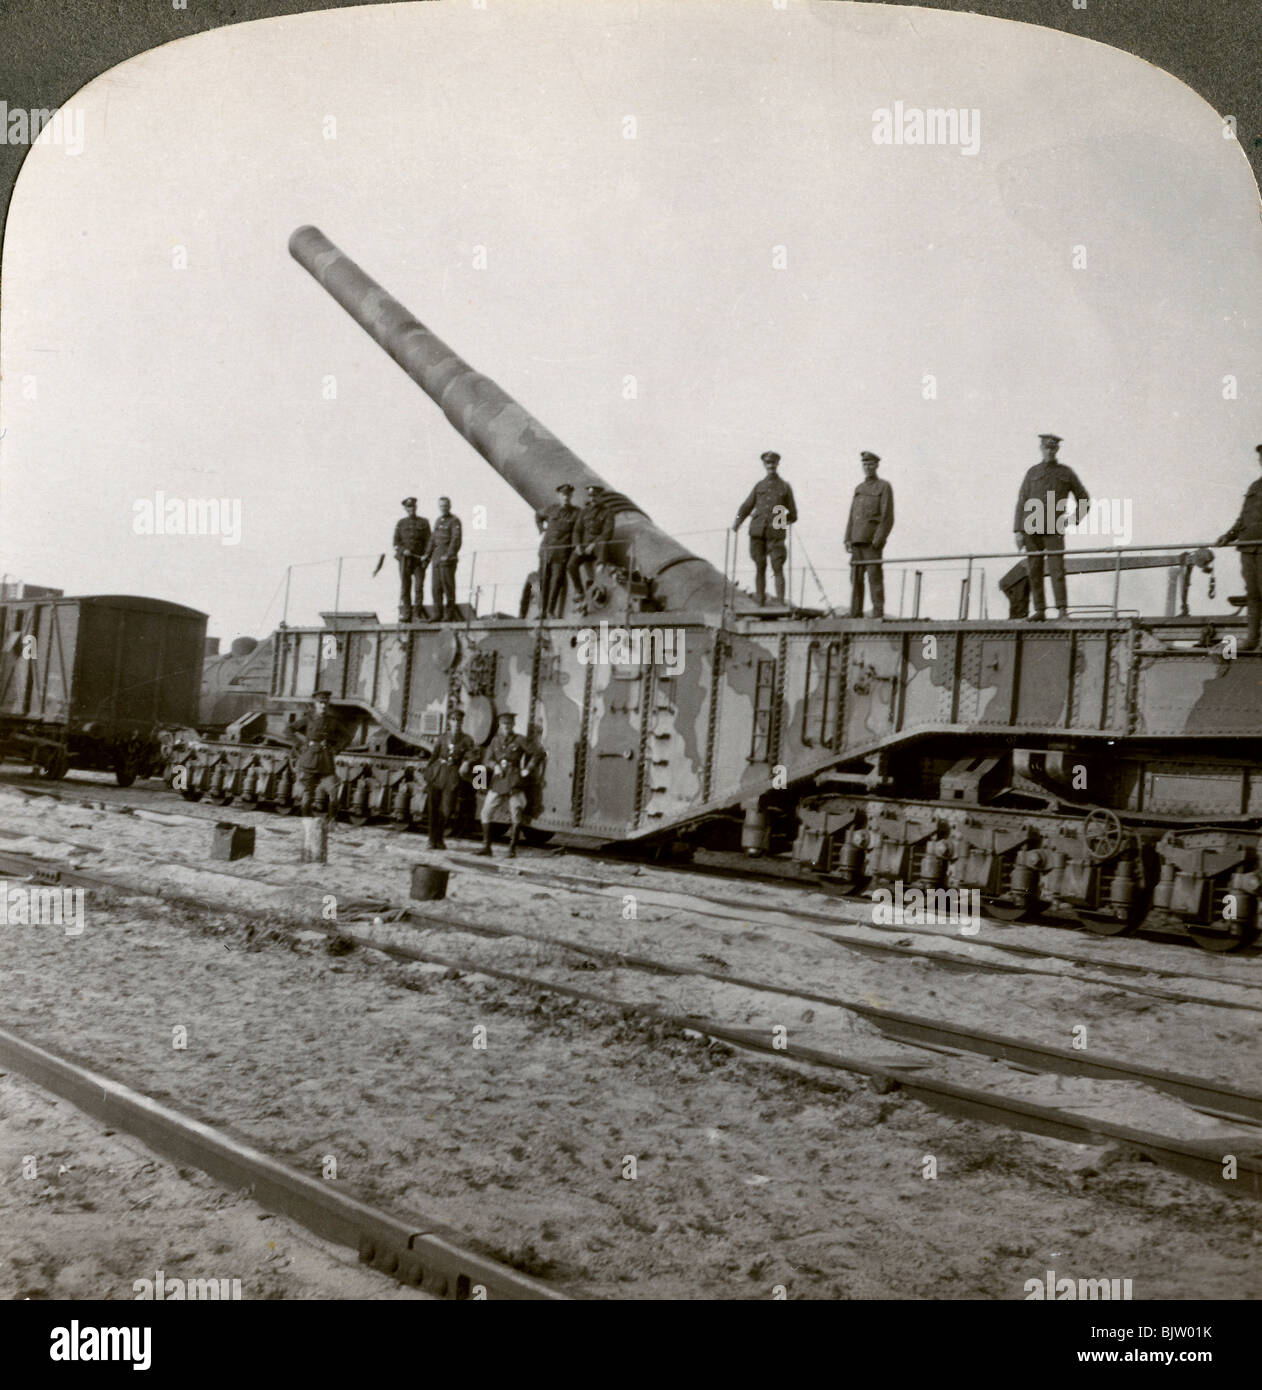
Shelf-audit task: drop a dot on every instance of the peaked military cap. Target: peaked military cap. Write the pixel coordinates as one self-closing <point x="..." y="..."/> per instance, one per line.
<point x="565" y="487"/>
<point x="594" y="487"/>
<point x="408" y="502"/>
<point x="1051" y="439"/>
<point x="771" y="457"/>
<point x="323" y="695"/>
<point x="507" y="714"/>
<point x="868" y="457"/>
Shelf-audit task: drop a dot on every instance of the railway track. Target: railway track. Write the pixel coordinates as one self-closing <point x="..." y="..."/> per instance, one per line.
<point x="423" y="1254"/>
<point x="928" y="1047"/>
<point x="732" y="868"/>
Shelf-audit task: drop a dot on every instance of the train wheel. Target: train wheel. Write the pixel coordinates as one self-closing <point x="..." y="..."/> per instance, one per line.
<point x="55" y="766"/>
<point x="1106" y="923"/>
<point x="1222" y="936"/>
<point x="1004" y="910"/>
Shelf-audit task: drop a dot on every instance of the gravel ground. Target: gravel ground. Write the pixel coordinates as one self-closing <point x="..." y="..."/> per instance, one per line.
<point x="748" y="1173"/>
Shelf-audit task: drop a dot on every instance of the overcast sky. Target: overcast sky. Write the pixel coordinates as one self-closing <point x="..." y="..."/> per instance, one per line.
<point x="609" y="257"/>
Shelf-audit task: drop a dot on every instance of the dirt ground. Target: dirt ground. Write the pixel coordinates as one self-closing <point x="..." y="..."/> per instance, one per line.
<point x="612" y="1156"/>
<point x="102" y="1212"/>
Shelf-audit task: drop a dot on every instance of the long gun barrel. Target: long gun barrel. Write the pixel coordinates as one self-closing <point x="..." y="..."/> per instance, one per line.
<point x="530" y="458"/>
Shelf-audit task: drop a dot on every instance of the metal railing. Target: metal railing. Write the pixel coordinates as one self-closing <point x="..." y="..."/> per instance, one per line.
<point x="484" y="572"/>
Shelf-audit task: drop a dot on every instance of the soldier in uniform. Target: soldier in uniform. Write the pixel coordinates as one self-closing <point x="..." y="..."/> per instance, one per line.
<point x="1246" y="535"/>
<point x="556" y="550"/>
<point x="411" y="541"/>
<point x="771" y="510"/>
<point x="593" y="531"/>
<point x="319" y="734"/>
<point x="867" y="529"/>
<point x="508" y="762"/>
<point x="447" y="766"/>
<point x="1051" y="498"/>
<point x="444" y="552"/>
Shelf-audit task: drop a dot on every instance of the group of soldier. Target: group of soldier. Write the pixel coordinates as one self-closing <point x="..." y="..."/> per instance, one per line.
<point x="510" y="765"/>
<point x="574" y="541"/>
<point x="1039" y="532"/>
<point x="417" y="547"/>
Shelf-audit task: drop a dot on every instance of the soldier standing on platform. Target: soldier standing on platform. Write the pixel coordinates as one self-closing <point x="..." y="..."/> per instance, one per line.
<point x="867" y="529"/>
<point x="411" y="541"/>
<point x="508" y="761"/>
<point x="319" y="734"/>
<point x="556" y="550"/>
<point x="1051" y="499"/>
<point x="772" y="510"/>
<point x="447" y="767"/>
<point x="444" y="553"/>
<point x="1246" y="535"/>
<point x="592" y="533"/>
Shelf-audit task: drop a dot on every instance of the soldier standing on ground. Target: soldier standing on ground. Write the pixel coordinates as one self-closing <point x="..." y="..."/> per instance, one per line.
<point x="867" y="529"/>
<point x="444" y="553"/>
<point x="447" y="767"/>
<point x="771" y="510"/>
<point x="593" y="531"/>
<point x="556" y="550"/>
<point x="316" y="770"/>
<point x="1246" y="535"/>
<point x="507" y="761"/>
<point x="411" y="541"/>
<point x="1051" y="497"/>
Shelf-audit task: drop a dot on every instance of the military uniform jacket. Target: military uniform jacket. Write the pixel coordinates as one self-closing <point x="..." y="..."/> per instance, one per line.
<point x="411" y="535"/>
<point x="320" y="735"/>
<point x="1248" y="525"/>
<point x="506" y="760"/>
<point x="442" y="772"/>
<point x="595" y="525"/>
<point x="871" y="514"/>
<point x="445" y="539"/>
<point x="1050" y="485"/>
<point x="768" y="494"/>
<point x="560" y="523"/>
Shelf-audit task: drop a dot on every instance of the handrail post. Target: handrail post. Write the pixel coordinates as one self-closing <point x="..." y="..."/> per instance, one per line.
<point x="473" y="569"/>
<point x="337" y="589"/>
<point x="968" y="589"/>
<point x="915" y="595"/>
<point x="1117" y="578"/>
<point x="902" y="592"/>
<point x="284" y="617"/>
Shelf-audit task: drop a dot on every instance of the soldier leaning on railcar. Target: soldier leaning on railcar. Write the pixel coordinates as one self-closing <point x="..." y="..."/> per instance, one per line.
<point x="319" y="733"/>
<point x="445" y="772"/>
<point x="444" y="554"/>
<point x="508" y="760"/>
<point x="1051" y="498"/>
<point x="771" y="511"/>
<point x="868" y="527"/>
<point x="1245" y="534"/>
<point x="411" y="544"/>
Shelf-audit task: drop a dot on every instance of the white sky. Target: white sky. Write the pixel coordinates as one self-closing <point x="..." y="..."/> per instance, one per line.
<point x="503" y="127"/>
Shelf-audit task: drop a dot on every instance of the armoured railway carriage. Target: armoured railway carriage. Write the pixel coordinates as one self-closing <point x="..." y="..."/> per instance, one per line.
<point x="91" y="682"/>
<point x="1104" y="766"/>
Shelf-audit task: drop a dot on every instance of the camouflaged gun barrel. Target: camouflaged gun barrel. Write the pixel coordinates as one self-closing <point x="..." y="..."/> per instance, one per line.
<point x="530" y="458"/>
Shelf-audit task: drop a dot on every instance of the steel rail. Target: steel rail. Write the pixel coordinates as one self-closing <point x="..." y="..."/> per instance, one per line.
<point x="1204" y="1160"/>
<point x="422" y="1253"/>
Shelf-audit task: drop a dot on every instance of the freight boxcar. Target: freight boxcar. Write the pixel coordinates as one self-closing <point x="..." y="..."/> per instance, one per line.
<point x="91" y="682"/>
